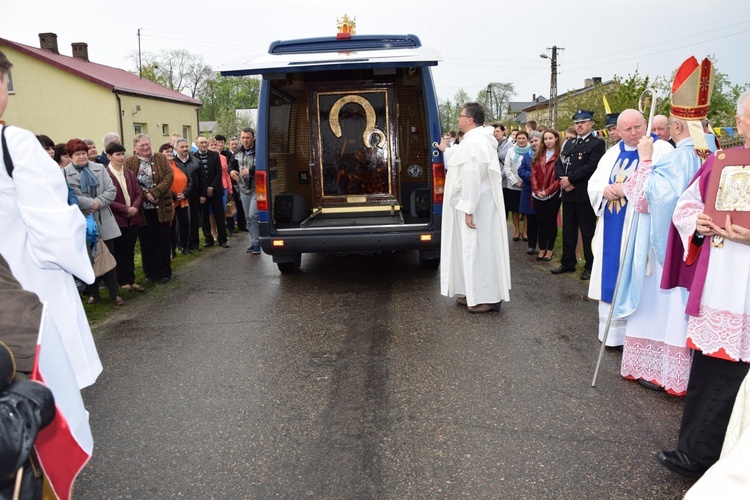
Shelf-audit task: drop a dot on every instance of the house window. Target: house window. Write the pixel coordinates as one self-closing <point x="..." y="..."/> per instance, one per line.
<point x="10" y="82"/>
<point x="140" y="128"/>
<point x="164" y="129"/>
<point x="186" y="134"/>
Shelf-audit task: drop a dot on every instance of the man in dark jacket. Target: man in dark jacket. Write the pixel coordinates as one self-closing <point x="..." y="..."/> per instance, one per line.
<point x="211" y="165"/>
<point x="25" y="406"/>
<point x="574" y="167"/>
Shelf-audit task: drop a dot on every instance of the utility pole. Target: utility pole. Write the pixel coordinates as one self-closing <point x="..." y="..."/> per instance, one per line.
<point x="553" y="84"/>
<point x="140" y="65"/>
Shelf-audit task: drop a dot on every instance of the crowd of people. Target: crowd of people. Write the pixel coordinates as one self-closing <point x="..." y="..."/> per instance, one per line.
<point x="637" y="211"/>
<point x="159" y="199"/>
<point x="619" y="205"/>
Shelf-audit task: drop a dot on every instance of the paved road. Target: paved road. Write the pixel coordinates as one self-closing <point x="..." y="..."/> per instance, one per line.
<point x="356" y="379"/>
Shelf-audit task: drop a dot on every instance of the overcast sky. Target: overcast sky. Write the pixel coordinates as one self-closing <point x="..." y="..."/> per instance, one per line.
<point x="480" y="42"/>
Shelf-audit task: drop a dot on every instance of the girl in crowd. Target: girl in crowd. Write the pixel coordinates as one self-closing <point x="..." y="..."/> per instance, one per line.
<point x="545" y="189"/>
<point x="95" y="190"/>
<point x="126" y="208"/>
<point x="526" y="204"/>
<point x="512" y="182"/>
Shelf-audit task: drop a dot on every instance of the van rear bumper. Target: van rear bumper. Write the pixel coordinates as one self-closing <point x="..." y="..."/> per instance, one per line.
<point x="369" y="242"/>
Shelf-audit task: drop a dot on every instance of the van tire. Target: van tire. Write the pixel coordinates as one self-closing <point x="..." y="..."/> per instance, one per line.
<point x="430" y="263"/>
<point x="290" y="267"/>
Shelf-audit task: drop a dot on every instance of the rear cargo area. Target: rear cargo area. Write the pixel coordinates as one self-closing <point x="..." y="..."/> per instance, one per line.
<point x="348" y="149"/>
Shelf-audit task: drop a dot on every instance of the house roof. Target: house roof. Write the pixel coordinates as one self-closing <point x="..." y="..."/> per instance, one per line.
<point x="518" y="106"/>
<point x="115" y="79"/>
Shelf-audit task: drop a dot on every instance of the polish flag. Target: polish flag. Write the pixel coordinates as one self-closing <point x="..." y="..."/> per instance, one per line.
<point x="65" y="445"/>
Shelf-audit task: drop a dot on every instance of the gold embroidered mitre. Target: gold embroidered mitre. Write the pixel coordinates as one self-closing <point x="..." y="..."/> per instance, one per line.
<point x="691" y="89"/>
<point x="691" y="98"/>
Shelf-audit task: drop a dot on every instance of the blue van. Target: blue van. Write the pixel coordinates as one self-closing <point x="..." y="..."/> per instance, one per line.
<point x="345" y="148"/>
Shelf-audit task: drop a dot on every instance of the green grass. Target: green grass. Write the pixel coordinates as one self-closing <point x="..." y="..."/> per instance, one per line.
<point x="97" y="313"/>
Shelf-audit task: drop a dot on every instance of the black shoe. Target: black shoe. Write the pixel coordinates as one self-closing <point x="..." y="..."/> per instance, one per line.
<point x="208" y="244"/>
<point x="563" y="269"/>
<point x="164" y="279"/>
<point x="650" y="385"/>
<point x="531" y="251"/>
<point x="223" y="245"/>
<point x="677" y="461"/>
<point x="185" y="251"/>
<point x="586" y="274"/>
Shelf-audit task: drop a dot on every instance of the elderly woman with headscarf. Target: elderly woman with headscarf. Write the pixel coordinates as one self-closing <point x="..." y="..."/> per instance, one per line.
<point x="95" y="192"/>
<point x="155" y="177"/>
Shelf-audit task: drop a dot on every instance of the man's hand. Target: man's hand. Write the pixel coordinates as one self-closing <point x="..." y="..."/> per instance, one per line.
<point x="704" y="225"/>
<point x="645" y="148"/>
<point x="732" y="232"/>
<point x="469" y="219"/>
<point x="444" y="143"/>
<point x="131" y="212"/>
<point x="180" y="196"/>
<point x="234" y="175"/>
<point x="245" y="171"/>
<point x="613" y="192"/>
<point x="95" y="206"/>
<point x="518" y="184"/>
<point x="564" y="183"/>
<point x="210" y="191"/>
<point x="203" y="200"/>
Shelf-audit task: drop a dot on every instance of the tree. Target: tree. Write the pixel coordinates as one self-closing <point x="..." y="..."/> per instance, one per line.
<point x="176" y="69"/>
<point x="495" y="99"/>
<point x="227" y="92"/>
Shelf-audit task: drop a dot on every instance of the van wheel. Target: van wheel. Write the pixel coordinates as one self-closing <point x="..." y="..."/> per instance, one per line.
<point x="430" y="263"/>
<point x="290" y="267"/>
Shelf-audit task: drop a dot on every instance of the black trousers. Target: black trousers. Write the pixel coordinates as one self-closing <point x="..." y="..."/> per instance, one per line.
<point x="155" y="246"/>
<point x="577" y="216"/>
<point x="546" y="222"/>
<point x="216" y="205"/>
<point x="711" y="392"/>
<point x="124" y="253"/>
<point x="531" y="230"/>
<point x="241" y="221"/>
<point x="180" y="228"/>
<point x="195" y="211"/>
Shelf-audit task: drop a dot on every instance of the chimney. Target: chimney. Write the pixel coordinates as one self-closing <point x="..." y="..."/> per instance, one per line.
<point x="597" y="80"/>
<point x="48" y="41"/>
<point x="588" y="82"/>
<point x="80" y="51"/>
<point x="533" y="97"/>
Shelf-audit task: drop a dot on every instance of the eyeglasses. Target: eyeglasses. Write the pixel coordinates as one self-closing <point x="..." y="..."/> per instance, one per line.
<point x="144" y="145"/>
<point x="463" y="116"/>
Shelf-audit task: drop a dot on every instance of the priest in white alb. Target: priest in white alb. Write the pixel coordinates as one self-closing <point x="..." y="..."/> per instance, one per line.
<point x="474" y="238"/>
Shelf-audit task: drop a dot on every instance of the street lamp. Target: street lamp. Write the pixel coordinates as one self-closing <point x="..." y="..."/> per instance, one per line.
<point x="552" y="85"/>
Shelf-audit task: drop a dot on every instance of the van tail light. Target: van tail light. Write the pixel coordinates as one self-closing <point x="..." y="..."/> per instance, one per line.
<point x="438" y="183"/>
<point x="261" y="193"/>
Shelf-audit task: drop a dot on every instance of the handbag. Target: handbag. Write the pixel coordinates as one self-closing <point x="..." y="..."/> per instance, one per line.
<point x="104" y="261"/>
<point x="231" y="208"/>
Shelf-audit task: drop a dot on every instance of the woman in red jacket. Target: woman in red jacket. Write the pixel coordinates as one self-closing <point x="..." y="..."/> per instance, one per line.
<point x="545" y="188"/>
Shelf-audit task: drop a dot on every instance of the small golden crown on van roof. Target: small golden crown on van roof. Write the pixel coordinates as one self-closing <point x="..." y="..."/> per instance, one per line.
<point x="346" y="25"/>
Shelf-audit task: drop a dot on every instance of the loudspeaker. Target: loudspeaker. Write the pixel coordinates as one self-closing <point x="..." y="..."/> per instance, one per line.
<point x="289" y="207"/>
<point x="421" y="202"/>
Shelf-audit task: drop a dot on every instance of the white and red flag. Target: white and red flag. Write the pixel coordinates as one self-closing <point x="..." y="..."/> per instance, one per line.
<point x="65" y="445"/>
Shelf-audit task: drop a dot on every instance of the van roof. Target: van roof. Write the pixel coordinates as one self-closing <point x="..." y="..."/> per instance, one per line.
<point x="332" y="53"/>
